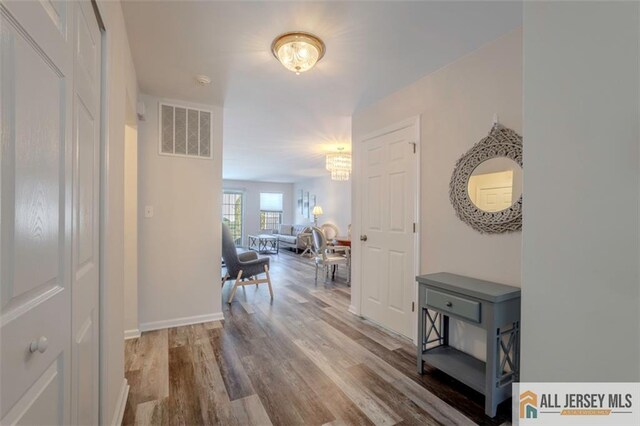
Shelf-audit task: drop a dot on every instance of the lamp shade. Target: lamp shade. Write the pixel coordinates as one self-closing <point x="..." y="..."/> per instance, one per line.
<point x="317" y="211"/>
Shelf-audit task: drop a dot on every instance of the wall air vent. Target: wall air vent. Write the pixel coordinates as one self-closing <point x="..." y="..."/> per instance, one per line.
<point x="185" y="131"/>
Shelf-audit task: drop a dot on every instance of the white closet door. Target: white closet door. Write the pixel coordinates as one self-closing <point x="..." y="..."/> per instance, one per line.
<point x="50" y="111"/>
<point x="86" y="198"/>
<point x="36" y="88"/>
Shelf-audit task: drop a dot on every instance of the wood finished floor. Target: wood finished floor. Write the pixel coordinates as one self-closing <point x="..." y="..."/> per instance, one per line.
<point x="302" y="359"/>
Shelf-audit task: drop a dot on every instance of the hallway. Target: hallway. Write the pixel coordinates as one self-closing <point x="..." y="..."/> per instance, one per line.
<point x="301" y="360"/>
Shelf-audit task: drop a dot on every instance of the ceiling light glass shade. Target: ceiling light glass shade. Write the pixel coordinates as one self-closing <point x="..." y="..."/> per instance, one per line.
<point x="298" y="51"/>
<point x="339" y="164"/>
<point x="340" y="175"/>
<point x="338" y="161"/>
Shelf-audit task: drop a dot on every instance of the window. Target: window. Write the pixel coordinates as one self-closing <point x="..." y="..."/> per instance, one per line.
<point x="270" y="220"/>
<point x="232" y="214"/>
<point x="270" y="210"/>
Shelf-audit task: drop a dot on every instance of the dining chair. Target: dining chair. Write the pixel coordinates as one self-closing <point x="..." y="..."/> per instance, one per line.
<point x="330" y="230"/>
<point x="329" y="256"/>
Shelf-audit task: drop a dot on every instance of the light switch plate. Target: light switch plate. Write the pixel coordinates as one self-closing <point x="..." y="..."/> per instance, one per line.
<point x="148" y="211"/>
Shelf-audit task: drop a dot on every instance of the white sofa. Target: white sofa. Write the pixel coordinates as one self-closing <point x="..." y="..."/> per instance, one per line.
<point x="297" y="237"/>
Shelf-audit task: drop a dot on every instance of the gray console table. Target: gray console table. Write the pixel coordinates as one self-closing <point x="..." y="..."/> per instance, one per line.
<point x="492" y="306"/>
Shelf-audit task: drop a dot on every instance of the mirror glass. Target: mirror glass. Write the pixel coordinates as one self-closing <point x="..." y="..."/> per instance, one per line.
<point x="495" y="184"/>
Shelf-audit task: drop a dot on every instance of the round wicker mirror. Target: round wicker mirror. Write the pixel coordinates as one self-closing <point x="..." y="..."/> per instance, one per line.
<point x="500" y="143"/>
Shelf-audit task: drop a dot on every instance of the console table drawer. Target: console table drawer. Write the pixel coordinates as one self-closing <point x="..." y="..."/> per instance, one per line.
<point x="459" y="306"/>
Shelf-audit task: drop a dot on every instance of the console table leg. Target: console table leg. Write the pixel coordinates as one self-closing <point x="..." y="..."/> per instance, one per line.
<point x="422" y="294"/>
<point x="420" y="340"/>
<point x="490" y="403"/>
<point x="444" y="329"/>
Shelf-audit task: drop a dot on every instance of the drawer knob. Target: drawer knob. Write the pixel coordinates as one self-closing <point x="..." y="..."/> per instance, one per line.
<point x="39" y="345"/>
<point x="449" y="304"/>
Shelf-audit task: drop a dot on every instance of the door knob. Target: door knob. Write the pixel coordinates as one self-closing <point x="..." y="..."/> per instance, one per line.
<point x="363" y="238"/>
<point x="39" y="345"/>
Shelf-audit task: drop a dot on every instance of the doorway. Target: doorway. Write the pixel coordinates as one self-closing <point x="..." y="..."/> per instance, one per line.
<point x="131" y="326"/>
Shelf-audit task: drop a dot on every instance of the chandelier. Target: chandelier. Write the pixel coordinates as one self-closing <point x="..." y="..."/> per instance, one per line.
<point x="339" y="164"/>
<point x="298" y="51"/>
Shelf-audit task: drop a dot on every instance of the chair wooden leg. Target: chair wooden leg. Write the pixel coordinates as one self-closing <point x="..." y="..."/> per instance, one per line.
<point x="266" y="271"/>
<point x="235" y="287"/>
<point x="224" y="279"/>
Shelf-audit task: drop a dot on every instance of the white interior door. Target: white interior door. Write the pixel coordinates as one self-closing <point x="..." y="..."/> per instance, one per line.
<point x="389" y="180"/>
<point x="36" y="84"/>
<point x="86" y="191"/>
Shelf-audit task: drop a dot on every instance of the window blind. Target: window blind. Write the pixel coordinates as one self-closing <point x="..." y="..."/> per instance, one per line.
<point x="271" y="201"/>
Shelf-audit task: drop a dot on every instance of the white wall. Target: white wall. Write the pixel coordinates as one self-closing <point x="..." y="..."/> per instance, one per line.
<point x="456" y="105"/>
<point x="121" y="94"/>
<point x="180" y="246"/>
<point x="580" y="280"/>
<point x="333" y="196"/>
<point x="252" y="190"/>
<point x="131" y="231"/>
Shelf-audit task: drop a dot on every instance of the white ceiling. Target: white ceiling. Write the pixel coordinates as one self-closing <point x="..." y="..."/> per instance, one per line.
<point x="277" y="125"/>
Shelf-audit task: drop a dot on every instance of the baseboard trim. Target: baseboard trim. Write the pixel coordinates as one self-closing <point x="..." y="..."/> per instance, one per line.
<point x="118" y="415"/>
<point x="132" y="334"/>
<point x="177" y="322"/>
<point x="353" y="310"/>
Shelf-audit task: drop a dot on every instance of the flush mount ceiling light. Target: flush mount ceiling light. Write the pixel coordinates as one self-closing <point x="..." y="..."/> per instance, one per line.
<point x="298" y="51"/>
<point x="339" y="164"/>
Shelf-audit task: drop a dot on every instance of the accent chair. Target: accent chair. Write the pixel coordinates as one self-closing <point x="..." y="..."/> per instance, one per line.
<point x="244" y="266"/>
